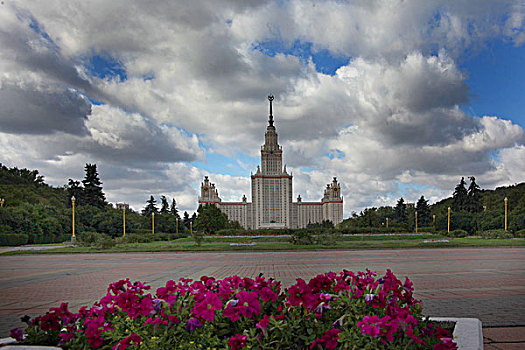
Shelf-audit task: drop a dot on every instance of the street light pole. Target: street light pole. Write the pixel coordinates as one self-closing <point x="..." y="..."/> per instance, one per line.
<point x="191" y="228"/>
<point x="387" y="223"/>
<point x="1" y="202"/>
<point x="153" y="223"/>
<point x="448" y="223"/>
<point x="434" y="220"/>
<point x="124" y="220"/>
<point x="73" y="237"/>
<point x="506" y="200"/>
<point x="416" y="221"/>
<point x="177" y="226"/>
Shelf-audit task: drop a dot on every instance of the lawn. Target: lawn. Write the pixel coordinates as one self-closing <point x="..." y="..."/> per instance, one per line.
<point x="282" y="243"/>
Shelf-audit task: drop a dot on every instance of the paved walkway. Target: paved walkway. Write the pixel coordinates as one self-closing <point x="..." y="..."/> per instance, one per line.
<point x="485" y="283"/>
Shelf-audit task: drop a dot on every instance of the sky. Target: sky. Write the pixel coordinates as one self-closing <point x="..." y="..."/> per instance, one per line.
<point x="394" y="98"/>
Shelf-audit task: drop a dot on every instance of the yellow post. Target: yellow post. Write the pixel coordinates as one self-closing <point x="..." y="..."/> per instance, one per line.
<point x="1" y="202"/>
<point x="386" y="222"/>
<point x="416" y="221"/>
<point x="448" y="224"/>
<point x="191" y="228"/>
<point x="177" y="225"/>
<point x="484" y="208"/>
<point x="506" y="200"/>
<point x="73" y="238"/>
<point x="153" y="223"/>
<point x="124" y="220"/>
<point x="434" y="220"/>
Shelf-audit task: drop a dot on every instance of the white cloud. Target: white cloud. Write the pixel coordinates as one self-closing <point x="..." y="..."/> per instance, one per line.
<point x="195" y="86"/>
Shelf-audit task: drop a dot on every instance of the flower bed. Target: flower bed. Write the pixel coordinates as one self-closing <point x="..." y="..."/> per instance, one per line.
<point x="345" y="310"/>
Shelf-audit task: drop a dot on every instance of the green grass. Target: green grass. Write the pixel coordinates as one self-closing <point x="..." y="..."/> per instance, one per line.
<point x="281" y="243"/>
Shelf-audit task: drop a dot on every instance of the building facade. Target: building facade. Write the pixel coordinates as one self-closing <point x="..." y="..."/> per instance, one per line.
<point x="272" y="205"/>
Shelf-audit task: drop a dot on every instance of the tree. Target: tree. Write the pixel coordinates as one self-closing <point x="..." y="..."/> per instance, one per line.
<point x="164" y="206"/>
<point x="93" y="194"/>
<point x="173" y="209"/>
<point x="186" y="220"/>
<point x="459" y="198"/>
<point x="75" y="189"/>
<point x="150" y="207"/>
<point x="400" y="211"/>
<point x="423" y="212"/>
<point x="473" y="204"/>
<point x="210" y="219"/>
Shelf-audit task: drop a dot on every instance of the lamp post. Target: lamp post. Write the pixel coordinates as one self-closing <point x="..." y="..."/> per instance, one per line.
<point x="434" y="220"/>
<point x="484" y="208"/>
<point x="416" y="221"/>
<point x="153" y="223"/>
<point x="191" y="228"/>
<point x="506" y="200"/>
<point x="177" y="226"/>
<point x="387" y="223"/>
<point x="448" y="221"/>
<point x="124" y="221"/>
<point x="1" y="202"/>
<point x="73" y="238"/>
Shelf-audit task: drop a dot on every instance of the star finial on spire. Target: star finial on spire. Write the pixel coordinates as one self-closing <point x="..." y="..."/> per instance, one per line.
<point x="270" y="121"/>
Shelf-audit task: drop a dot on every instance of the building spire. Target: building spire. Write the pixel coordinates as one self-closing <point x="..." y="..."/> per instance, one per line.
<point x="270" y="121"/>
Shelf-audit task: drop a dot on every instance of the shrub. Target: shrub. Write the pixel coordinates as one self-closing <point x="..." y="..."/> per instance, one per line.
<point x="105" y="242"/>
<point x="13" y="239"/>
<point x="492" y="234"/>
<point x="519" y="234"/>
<point x="136" y="238"/>
<point x="328" y="237"/>
<point x="302" y="237"/>
<point x="458" y="233"/>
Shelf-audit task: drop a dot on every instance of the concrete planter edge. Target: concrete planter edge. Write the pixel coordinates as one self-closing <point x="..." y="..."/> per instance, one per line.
<point x="468" y="332"/>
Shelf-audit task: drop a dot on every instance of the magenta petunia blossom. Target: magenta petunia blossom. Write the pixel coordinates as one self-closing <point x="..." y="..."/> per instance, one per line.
<point x="238" y="341"/>
<point x="205" y="309"/>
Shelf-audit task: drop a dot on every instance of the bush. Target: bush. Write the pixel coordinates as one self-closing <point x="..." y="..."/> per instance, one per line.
<point x="105" y="242"/>
<point x="87" y="239"/>
<point x="492" y="234"/>
<point x="429" y="229"/>
<point x="328" y="237"/>
<point x="13" y="239"/>
<point x="302" y="236"/>
<point x="458" y="233"/>
<point x="519" y="234"/>
<point x="136" y="238"/>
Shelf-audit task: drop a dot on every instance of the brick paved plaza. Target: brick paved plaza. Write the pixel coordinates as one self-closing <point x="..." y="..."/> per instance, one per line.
<point x="485" y="283"/>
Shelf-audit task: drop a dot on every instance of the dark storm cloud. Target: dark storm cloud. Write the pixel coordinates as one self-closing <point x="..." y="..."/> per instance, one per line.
<point x="43" y="109"/>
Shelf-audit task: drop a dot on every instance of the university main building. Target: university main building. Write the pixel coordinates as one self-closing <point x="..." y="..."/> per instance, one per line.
<point x="272" y="205"/>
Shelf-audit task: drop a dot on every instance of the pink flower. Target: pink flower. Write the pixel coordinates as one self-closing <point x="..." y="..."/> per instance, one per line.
<point x="247" y="305"/>
<point x="205" y="309"/>
<point x="17" y="334"/>
<point x="263" y="323"/>
<point x="369" y="326"/>
<point x="132" y="340"/>
<point x="238" y="341"/>
<point x="267" y="294"/>
<point x="328" y="340"/>
<point x="301" y="293"/>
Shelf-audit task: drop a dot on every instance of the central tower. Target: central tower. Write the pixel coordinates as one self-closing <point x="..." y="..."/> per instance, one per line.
<point x="271" y="184"/>
<point x="271" y="152"/>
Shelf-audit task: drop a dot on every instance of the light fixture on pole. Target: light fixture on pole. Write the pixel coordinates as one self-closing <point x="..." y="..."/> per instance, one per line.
<point x="73" y="237"/>
<point x="177" y="226"/>
<point x="448" y="222"/>
<point x="434" y="220"/>
<point x="387" y="223"/>
<point x="1" y="202"/>
<point x="506" y="200"/>
<point x="416" y="221"/>
<point x="191" y="228"/>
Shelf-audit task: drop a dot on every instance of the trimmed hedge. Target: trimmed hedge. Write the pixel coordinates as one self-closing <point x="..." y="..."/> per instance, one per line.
<point x="13" y="239"/>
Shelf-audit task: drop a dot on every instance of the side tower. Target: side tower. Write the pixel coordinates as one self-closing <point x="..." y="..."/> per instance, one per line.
<point x="271" y="184"/>
<point x="209" y="194"/>
<point x="333" y="202"/>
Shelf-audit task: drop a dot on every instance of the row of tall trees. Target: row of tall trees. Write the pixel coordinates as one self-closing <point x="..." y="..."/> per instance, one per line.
<point x="468" y="200"/>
